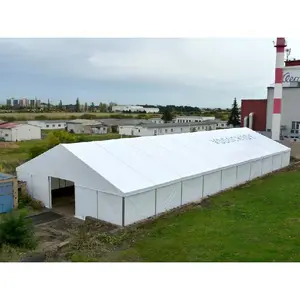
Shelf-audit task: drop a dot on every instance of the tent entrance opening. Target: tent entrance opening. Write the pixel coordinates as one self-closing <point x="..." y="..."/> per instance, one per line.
<point x="63" y="196"/>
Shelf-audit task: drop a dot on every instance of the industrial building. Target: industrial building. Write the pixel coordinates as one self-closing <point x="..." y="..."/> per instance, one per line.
<point x="277" y="115"/>
<point x="192" y="119"/>
<point x="127" y="180"/>
<point x="13" y="132"/>
<point x="81" y="126"/>
<point x="49" y="124"/>
<point x="8" y="193"/>
<point x="150" y="129"/>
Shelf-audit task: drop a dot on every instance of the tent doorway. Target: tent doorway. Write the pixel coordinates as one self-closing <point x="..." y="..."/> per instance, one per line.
<point x="63" y="196"/>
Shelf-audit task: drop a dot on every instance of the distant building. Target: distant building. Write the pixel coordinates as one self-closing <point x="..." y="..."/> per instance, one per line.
<point x="156" y="120"/>
<point x="134" y="108"/>
<point x="15" y="103"/>
<point x="13" y="132"/>
<point x="49" y="124"/>
<point x="166" y="128"/>
<point x="81" y="126"/>
<point x="191" y="119"/>
<point x="114" y="124"/>
<point x="9" y="102"/>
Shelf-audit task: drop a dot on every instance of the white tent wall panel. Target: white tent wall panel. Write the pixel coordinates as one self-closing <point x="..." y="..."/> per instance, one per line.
<point x="86" y="203"/>
<point x="110" y="208"/>
<point x="39" y="189"/>
<point x="139" y="207"/>
<point x="267" y="165"/>
<point x="243" y="173"/>
<point x="229" y="178"/>
<point x="256" y="169"/>
<point x="277" y="161"/>
<point x="286" y="156"/>
<point x="192" y="190"/>
<point x="168" y="197"/>
<point x="212" y="183"/>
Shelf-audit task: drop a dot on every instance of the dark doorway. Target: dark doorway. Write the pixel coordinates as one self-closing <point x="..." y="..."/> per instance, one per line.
<point x="63" y="196"/>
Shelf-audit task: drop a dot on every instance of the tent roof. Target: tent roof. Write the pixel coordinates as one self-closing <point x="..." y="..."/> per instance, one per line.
<point x="136" y="164"/>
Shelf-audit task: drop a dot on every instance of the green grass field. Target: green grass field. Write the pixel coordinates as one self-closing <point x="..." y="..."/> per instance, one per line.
<point x="257" y="222"/>
<point x="24" y="116"/>
<point x="10" y="158"/>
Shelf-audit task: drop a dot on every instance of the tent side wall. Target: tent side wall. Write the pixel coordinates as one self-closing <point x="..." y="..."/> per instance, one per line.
<point x="99" y="205"/>
<point x="159" y="200"/>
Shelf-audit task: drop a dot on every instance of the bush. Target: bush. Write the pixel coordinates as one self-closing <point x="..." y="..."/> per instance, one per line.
<point x="41" y="117"/>
<point x="88" y="116"/>
<point x="38" y="150"/>
<point x="16" y="230"/>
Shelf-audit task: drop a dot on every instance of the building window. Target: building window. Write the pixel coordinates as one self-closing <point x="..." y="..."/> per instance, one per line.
<point x="181" y="129"/>
<point x="166" y="130"/>
<point x="198" y="128"/>
<point x="139" y="130"/>
<point x="59" y="125"/>
<point x="53" y="125"/>
<point x="155" y="132"/>
<point x="171" y="129"/>
<point x="47" y="126"/>
<point x="6" y="134"/>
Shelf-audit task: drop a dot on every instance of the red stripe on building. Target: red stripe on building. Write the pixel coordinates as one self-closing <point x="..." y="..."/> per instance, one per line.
<point x="279" y="49"/>
<point x="278" y="75"/>
<point x="277" y="106"/>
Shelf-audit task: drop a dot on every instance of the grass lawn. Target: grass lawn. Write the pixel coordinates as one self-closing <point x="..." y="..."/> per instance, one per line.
<point x="59" y="115"/>
<point x="257" y="222"/>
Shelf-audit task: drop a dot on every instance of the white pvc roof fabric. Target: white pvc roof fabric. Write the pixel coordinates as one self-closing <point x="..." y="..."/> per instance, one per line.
<point x="134" y="164"/>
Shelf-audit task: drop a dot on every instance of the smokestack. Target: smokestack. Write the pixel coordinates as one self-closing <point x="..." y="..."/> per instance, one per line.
<point x="276" y="118"/>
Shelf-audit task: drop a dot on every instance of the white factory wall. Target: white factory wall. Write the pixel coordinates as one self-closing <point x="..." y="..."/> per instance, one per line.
<point x="118" y="180"/>
<point x="44" y="125"/>
<point x="77" y="128"/>
<point x="290" y="109"/>
<point x="145" y="131"/>
<point x="6" y="134"/>
<point x="25" y="132"/>
<point x="191" y="119"/>
<point x="22" y="132"/>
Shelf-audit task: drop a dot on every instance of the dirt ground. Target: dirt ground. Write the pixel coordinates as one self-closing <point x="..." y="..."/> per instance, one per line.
<point x="54" y="230"/>
<point x="10" y="145"/>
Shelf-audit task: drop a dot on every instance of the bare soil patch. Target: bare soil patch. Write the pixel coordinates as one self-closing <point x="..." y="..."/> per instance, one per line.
<point x="10" y="145"/>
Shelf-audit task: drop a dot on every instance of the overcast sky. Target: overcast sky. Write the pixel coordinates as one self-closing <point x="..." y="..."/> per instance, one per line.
<point x="198" y="72"/>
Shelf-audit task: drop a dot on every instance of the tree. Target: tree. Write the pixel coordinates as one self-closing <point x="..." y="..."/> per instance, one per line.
<point x="60" y="105"/>
<point x="85" y="107"/>
<point x="167" y="116"/>
<point x="92" y="106"/>
<point x="77" y="106"/>
<point x="48" y="105"/>
<point x="103" y="107"/>
<point x="234" y="116"/>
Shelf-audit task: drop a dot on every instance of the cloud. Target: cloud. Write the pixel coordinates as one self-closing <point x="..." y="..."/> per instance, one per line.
<point x="192" y="67"/>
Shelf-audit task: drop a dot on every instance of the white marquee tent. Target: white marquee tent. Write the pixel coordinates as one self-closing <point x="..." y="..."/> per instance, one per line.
<point x="127" y="180"/>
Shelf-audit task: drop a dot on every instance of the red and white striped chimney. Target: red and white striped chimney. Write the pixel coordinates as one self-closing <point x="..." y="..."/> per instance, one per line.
<point x="276" y="118"/>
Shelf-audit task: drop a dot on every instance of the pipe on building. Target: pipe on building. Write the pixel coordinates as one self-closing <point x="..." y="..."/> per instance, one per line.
<point x="276" y="117"/>
<point x="251" y="116"/>
<point x="246" y="121"/>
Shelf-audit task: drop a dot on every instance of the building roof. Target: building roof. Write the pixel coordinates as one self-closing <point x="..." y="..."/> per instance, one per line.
<point x="85" y="122"/>
<point x="193" y="117"/>
<point x="171" y="125"/>
<point x="124" y="122"/>
<point x="131" y="165"/>
<point x="4" y="176"/>
<point x="8" y="125"/>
